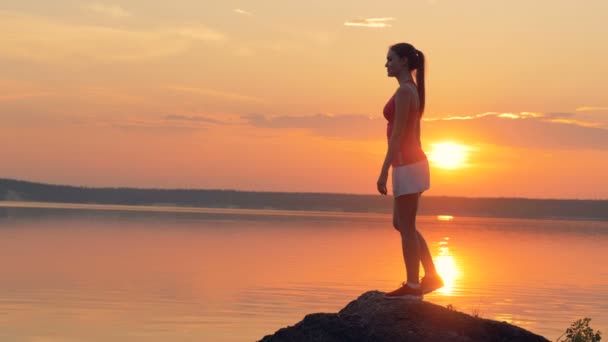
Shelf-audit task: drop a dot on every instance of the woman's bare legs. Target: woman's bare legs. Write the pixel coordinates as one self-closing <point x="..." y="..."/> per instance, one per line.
<point x="407" y="206"/>
<point x="414" y="249"/>
<point x="424" y="252"/>
<point x="425" y="256"/>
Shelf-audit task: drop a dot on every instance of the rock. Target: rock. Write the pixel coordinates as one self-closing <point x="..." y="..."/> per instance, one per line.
<point x="371" y="317"/>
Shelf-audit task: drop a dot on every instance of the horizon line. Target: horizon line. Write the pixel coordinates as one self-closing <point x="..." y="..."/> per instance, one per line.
<point x="290" y="192"/>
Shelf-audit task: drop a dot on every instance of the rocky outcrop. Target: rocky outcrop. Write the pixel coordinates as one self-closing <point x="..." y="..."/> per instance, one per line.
<point x="372" y="317"/>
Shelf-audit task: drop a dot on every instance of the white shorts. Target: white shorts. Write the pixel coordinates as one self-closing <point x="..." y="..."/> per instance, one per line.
<point x="411" y="178"/>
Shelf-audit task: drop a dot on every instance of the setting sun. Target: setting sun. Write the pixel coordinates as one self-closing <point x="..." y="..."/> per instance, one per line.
<point x="448" y="155"/>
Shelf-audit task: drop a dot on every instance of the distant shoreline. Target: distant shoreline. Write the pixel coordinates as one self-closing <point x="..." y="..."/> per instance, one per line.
<point x="172" y="209"/>
<point x="179" y="209"/>
<point x="557" y="209"/>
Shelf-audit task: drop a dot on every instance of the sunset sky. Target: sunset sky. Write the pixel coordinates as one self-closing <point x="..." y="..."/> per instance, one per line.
<point x="288" y="95"/>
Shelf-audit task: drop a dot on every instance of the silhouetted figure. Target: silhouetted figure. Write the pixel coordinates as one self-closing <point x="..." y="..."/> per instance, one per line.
<point x="411" y="175"/>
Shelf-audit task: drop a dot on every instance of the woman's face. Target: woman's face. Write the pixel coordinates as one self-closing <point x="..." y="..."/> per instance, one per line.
<point x="394" y="64"/>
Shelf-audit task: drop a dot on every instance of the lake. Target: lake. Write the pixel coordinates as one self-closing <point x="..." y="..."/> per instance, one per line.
<point x="116" y="273"/>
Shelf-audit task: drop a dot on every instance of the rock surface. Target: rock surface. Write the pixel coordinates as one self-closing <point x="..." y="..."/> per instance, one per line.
<point x="371" y="317"/>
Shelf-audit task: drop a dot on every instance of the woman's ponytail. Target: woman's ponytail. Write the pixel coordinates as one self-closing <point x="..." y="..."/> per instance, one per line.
<point x="420" y="80"/>
<point x="416" y="63"/>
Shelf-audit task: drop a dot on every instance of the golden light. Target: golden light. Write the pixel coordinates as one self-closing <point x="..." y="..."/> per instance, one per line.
<point x="445" y="217"/>
<point x="446" y="267"/>
<point x="448" y="155"/>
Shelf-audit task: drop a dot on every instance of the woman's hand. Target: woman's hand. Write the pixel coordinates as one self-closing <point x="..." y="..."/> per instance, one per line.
<point x="382" y="182"/>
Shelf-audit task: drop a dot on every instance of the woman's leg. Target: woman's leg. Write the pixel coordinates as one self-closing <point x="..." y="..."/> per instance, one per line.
<point x="407" y="206"/>
<point x="425" y="256"/>
<point x="425" y="253"/>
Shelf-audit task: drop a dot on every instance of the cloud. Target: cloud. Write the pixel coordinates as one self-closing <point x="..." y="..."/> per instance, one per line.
<point x="521" y="130"/>
<point x="530" y="131"/>
<point x="22" y="96"/>
<point x="353" y="127"/>
<point x="371" y="22"/>
<point x="477" y="116"/>
<point x="196" y="118"/>
<point x="110" y="10"/>
<point x="45" y="40"/>
<point x="214" y="93"/>
<point x="592" y="109"/>
<point x="150" y="125"/>
<point x="240" y="11"/>
<point x="14" y="91"/>
<point x="140" y="123"/>
<point x="559" y="115"/>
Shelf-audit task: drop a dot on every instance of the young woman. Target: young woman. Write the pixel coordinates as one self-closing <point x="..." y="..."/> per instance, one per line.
<point x="410" y="174"/>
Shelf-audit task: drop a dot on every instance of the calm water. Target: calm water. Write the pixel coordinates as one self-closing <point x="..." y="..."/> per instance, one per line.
<point x="232" y="275"/>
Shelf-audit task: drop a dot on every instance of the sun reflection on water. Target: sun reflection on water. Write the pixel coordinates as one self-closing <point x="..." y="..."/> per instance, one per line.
<point x="445" y="217"/>
<point x="446" y="267"/>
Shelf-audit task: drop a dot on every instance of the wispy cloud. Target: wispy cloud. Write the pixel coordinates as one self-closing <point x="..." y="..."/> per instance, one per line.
<point x="168" y="123"/>
<point x="160" y="126"/>
<point x="370" y="22"/>
<point x="353" y="127"/>
<point x="568" y="118"/>
<point x="139" y="123"/>
<point x="522" y="115"/>
<point x="12" y="90"/>
<point x="111" y="95"/>
<point x="240" y="11"/>
<point x="197" y="118"/>
<point x="114" y="11"/>
<point x="522" y="130"/>
<point x="88" y="43"/>
<point x="577" y="122"/>
<point x="214" y="93"/>
<point x="22" y="96"/>
<point x="591" y="109"/>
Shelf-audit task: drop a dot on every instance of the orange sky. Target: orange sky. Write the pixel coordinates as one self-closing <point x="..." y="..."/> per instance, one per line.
<point x="288" y="97"/>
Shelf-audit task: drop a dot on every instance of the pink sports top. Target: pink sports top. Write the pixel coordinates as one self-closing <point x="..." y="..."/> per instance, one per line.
<point x="410" y="149"/>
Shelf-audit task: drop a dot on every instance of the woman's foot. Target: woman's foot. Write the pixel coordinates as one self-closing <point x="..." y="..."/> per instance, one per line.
<point x="430" y="283"/>
<point x="405" y="292"/>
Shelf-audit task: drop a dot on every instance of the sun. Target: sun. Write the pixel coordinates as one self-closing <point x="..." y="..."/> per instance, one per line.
<point x="449" y="155"/>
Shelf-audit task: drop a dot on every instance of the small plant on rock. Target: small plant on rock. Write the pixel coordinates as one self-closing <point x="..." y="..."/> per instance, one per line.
<point x="580" y="331"/>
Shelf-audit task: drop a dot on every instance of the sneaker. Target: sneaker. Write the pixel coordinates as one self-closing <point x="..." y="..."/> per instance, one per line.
<point x="430" y="283"/>
<point x="404" y="292"/>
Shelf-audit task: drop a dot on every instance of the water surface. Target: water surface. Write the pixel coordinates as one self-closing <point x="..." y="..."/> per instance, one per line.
<point x="113" y="274"/>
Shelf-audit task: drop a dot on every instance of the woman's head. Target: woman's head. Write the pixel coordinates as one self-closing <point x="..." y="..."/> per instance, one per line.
<point x="405" y="58"/>
<point x="408" y="52"/>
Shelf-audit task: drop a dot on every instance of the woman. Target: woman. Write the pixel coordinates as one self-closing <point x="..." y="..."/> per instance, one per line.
<point x="410" y="174"/>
